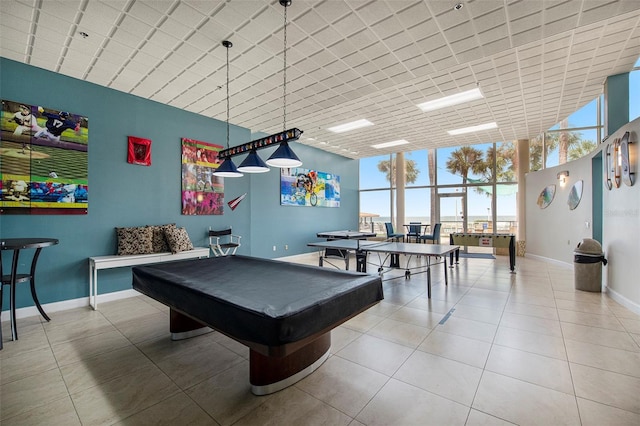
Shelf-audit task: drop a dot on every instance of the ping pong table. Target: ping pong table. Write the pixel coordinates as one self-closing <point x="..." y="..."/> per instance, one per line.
<point x="388" y="250"/>
<point x="342" y="235"/>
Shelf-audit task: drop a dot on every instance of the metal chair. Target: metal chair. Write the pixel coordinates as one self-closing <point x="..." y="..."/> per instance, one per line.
<point x="415" y="231"/>
<point x="391" y="234"/>
<point x="223" y="242"/>
<point x="434" y="236"/>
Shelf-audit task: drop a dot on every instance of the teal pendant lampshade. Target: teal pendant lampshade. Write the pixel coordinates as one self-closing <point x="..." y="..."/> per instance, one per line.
<point x="284" y="157"/>
<point x="227" y="169"/>
<point x="253" y="164"/>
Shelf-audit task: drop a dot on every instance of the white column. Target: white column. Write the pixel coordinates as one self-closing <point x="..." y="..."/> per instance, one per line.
<point x="522" y="148"/>
<point x="400" y="184"/>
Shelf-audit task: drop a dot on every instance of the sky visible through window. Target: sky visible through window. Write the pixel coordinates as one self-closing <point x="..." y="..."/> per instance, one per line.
<point x="478" y="204"/>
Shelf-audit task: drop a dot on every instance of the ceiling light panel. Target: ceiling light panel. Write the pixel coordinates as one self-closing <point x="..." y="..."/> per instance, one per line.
<point x="447" y="101"/>
<point x="390" y="144"/>
<point x="358" y="124"/>
<point x="479" y="127"/>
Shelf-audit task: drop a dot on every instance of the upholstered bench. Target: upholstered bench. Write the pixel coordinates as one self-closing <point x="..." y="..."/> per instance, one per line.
<point x="119" y="261"/>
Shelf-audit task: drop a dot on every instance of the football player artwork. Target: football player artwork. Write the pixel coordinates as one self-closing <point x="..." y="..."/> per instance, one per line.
<point x="43" y="160"/>
<point x="202" y="192"/>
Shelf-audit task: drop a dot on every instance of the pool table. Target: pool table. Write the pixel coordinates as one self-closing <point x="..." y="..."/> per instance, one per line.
<point x="284" y="312"/>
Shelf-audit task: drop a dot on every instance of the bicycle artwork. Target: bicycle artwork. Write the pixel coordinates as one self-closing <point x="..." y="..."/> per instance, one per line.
<point x="303" y="187"/>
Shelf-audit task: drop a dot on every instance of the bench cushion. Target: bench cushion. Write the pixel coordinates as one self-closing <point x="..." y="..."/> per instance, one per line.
<point x="159" y="241"/>
<point x="135" y="240"/>
<point x="178" y="239"/>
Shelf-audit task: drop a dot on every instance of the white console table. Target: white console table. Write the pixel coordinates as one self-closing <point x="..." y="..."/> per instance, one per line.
<point x="109" y="262"/>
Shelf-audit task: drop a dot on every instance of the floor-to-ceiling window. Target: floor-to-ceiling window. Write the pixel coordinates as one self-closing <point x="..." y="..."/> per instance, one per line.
<point x="634" y="92"/>
<point x="474" y="187"/>
<point x="570" y="139"/>
<point x="467" y="188"/>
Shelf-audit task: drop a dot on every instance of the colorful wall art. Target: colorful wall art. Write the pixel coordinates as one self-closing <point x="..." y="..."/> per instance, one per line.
<point x="546" y="196"/>
<point x="575" y="195"/>
<point x="43" y="160"/>
<point x="304" y="187"/>
<point x="139" y="151"/>
<point x="202" y="192"/>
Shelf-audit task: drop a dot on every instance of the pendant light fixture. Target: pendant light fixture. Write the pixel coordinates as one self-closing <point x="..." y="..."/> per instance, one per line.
<point x="227" y="168"/>
<point x="283" y="156"/>
<point x="253" y="163"/>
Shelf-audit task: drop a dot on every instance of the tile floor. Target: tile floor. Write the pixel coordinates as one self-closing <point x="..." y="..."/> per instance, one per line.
<point x="522" y="348"/>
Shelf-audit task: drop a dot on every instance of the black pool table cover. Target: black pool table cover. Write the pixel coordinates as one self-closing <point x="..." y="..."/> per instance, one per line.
<point x="258" y="300"/>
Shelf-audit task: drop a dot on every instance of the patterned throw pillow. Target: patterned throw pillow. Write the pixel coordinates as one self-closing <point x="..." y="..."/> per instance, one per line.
<point x="178" y="239"/>
<point x="137" y="240"/>
<point x="158" y="240"/>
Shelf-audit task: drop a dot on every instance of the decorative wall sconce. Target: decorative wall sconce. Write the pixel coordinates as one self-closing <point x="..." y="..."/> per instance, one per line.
<point x="562" y="177"/>
<point x="607" y="167"/>
<point x="616" y="164"/>
<point x="627" y="160"/>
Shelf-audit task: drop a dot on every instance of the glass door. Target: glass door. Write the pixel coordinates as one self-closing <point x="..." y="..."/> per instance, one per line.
<point x="453" y="211"/>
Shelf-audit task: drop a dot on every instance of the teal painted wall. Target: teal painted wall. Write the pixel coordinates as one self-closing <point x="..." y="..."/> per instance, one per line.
<point x="122" y="194"/>
<point x="276" y="225"/>
<point x="616" y="102"/>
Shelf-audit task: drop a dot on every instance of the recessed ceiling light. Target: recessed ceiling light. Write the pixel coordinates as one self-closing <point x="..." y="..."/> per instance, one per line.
<point x="390" y="144"/>
<point x="350" y="126"/>
<point x="458" y="98"/>
<point x="471" y="129"/>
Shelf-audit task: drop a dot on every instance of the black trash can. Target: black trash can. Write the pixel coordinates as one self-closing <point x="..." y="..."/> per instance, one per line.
<point x="587" y="265"/>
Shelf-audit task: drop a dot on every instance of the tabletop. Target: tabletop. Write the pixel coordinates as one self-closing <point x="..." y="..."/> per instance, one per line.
<point x="26" y="243"/>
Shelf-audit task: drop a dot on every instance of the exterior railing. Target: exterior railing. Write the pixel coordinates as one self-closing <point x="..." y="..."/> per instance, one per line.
<point x="476" y="227"/>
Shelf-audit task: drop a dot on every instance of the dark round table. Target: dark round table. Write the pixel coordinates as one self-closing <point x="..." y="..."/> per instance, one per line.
<point x="17" y="244"/>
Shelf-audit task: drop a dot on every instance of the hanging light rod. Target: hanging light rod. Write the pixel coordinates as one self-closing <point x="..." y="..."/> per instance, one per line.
<point x="227" y="168"/>
<point x="283" y="156"/>
<point x="277" y="138"/>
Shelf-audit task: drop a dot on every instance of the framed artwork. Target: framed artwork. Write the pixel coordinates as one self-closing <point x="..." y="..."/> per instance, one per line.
<point x="202" y="192"/>
<point x="43" y="160"/>
<point x="139" y="151"/>
<point x="546" y="196"/>
<point x="311" y="188"/>
<point x="575" y="195"/>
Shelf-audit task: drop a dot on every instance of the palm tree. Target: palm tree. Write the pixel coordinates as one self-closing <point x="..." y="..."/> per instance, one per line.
<point x="389" y="168"/>
<point x="464" y="159"/>
<point x="582" y="149"/>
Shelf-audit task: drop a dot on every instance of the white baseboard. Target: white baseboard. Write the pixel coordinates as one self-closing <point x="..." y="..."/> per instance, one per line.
<point x="632" y="306"/>
<point x="69" y="304"/>
<point x="301" y="256"/>
<point x="549" y="260"/>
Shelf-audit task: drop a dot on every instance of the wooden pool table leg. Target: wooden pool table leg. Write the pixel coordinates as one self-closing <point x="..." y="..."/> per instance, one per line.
<point x="269" y="374"/>
<point x="183" y="327"/>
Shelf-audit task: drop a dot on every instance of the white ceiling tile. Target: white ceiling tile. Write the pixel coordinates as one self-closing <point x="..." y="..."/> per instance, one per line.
<point x="387" y="27"/>
<point x="372" y="13"/>
<point x="413" y="15"/>
<point x="175" y="28"/>
<point x="327" y="36"/>
<point x="142" y="11"/>
<point x="534" y="60"/>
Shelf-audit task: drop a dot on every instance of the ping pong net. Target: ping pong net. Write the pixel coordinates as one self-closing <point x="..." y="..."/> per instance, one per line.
<point x="365" y="244"/>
